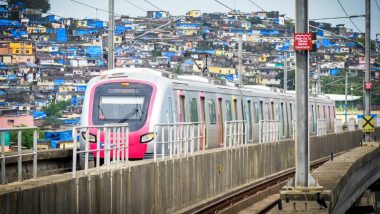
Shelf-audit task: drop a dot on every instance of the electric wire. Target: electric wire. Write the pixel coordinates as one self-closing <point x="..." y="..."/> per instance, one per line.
<point x="96" y="8"/>
<point x="353" y="23"/>
<point x="136" y="6"/>
<point x="155" y="6"/>
<point x="256" y="5"/>
<point x="377" y="4"/>
<point x="226" y="6"/>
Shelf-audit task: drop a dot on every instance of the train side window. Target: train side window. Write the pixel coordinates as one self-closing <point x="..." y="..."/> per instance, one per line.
<point x="312" y="118"/>
<point x="282" y="118"/>
<point x="329" y="115"/>
<point x="267" y="111"/>
<point x="203" y="110"/>
<point x="193" y="110"/>
<point x="261" y="110"/>
<point x="235" y="109"/>
<point x="212" y="111"/>
<point x="291" y="112"/>
<point x="318" y="113"/>
<point x="229" y="110"/>
<point x="256" y="114"/>
<point x="170" y="110"/>
<point x="182" y="110"/>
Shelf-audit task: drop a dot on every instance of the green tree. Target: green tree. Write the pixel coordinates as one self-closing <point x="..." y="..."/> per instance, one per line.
<point x="156" y="53"/>
<point x="43" y="5"/>
<point x="291" y="79"/>
<point x="177" y="69"/>
<point x="55" y="109"/>
<point x="26" y="137"/>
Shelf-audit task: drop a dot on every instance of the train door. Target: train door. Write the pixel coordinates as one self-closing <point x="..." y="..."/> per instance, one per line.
<point x="203" y="122"/>
<point x="220" y="122"/>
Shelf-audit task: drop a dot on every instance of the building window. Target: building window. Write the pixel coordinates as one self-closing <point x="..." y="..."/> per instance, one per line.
<point x="17" y="51"/>
<point x="11" y="122"/>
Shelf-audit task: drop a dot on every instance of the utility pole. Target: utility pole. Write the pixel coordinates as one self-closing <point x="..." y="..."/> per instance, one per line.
<point x="240" y="68"/>
<point x="367" y="78"/>
<point x="302" y="176"/>
<point x="345" y="99"/>
<point x="111" y="28"/>
<point x="285" y="71"/>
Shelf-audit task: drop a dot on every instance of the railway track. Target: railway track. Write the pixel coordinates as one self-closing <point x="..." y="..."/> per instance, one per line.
<point x="224" y="203"/>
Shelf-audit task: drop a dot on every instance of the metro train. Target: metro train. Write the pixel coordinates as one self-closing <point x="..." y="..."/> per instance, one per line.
<point x="144" y="97"/>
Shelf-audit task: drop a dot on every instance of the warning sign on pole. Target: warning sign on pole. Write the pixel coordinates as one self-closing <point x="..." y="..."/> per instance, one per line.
<point x="303" y="41"/>
<point x="368" y="124"/>
<point x="368" y="86"/>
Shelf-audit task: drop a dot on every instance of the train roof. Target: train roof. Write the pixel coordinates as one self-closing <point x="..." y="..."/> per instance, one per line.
<point x="193" y="81"/>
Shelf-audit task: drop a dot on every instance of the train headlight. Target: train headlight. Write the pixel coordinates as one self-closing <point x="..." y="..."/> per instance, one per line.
<point x="91" y="137"/>
<point x="147" y="138"/>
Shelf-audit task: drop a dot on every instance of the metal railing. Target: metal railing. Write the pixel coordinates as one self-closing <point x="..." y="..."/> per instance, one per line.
<point x="338" y="126"/>
<point x="178" y="139"/>
<point x="321" y="127"/>
<point x="109" y="141"/>
<point x="269" y="131"/>
<point x="235" y="133"/>
<point x="20" y="153"/>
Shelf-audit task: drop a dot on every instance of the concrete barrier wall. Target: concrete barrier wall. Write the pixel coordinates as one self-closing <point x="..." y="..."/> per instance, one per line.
<point x="49" y="162"/>
<point x="164" y="186"/>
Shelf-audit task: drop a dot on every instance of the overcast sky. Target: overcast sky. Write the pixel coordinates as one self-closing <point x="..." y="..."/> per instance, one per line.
<point x="318" y="9"/>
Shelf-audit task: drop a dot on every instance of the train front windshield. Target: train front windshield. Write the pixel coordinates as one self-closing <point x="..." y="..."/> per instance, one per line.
<point x="122" y="103"/>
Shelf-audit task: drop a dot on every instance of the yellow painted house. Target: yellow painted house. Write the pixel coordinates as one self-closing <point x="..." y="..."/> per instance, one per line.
<point x="21" y="48"/>
<point x="194" y="13"/>
<point x="262" y="59"/>
<point x="220" y="70"/>
<point x="82" y="23"/>
<point x="36" y="29"/>
<point x="227" y="54"/>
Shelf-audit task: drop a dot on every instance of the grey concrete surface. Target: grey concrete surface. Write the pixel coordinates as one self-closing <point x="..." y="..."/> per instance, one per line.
<point x="166" y="186"/>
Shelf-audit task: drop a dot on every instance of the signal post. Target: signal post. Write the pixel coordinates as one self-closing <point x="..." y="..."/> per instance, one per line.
<point x="303" y="188"/>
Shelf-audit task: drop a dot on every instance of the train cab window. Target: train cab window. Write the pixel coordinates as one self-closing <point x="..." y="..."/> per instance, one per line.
<point x="182" y="110"/>
<point x="193" y="110"/>
<point x="235" y="109"/>
<point x="256" y="115"/>
<point x="229" y="110"/>
<point x="170" y="110"/>
<point x="212" y="111"/>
